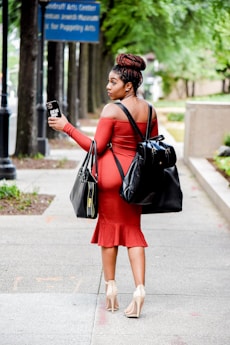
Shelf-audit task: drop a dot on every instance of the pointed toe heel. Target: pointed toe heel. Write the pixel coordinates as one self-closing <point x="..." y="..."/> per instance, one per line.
<point x="111" y="296"/>
<point x="134" y="308"/>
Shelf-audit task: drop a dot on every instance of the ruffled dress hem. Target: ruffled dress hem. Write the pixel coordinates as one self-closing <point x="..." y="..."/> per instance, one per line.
<point x="118" y="234"/>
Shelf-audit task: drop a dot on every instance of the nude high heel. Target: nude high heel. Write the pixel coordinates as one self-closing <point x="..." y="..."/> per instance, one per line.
<point x="134" y="308"/>
<point x="111" y="296"/>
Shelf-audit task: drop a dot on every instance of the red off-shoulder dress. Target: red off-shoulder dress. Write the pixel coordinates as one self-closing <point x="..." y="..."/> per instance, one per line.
<point x="119" y="223"/>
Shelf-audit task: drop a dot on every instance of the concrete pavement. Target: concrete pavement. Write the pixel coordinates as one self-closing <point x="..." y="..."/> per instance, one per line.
<point x="51" y="280"/>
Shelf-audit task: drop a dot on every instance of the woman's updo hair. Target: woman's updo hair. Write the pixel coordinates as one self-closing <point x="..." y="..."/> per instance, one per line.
<point x="129" y="67"/>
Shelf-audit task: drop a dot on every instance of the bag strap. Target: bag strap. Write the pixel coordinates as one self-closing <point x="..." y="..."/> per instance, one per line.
<point x="133" y="123"/>
<point x="136" y="128"/>
<point x="119" y="167"/>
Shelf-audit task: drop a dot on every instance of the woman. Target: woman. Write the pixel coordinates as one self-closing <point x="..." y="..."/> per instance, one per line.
<point x="118" y="222"/>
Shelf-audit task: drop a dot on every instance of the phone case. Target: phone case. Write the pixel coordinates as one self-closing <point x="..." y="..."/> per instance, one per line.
<point x="53" y="109"/>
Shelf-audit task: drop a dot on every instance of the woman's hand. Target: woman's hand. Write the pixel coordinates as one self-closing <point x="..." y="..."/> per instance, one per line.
<point x="57" y="123"/>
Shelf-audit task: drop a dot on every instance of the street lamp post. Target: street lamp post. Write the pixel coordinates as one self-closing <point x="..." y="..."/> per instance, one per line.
<point x="41" y="110"/>
<point x="7" y="169"/>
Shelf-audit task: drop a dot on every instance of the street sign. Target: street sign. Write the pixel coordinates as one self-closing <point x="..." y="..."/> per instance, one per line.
<point x="72" y="21"/>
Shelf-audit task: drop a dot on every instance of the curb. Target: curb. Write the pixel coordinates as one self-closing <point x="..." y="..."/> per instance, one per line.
<point x="214" y="184"/>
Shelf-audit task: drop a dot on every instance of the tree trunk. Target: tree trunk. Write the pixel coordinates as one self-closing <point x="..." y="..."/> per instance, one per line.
<point x="105" y="67"/>
<point x="98" y="75"/>
<point x="108" y="62"/>
<point x="193" y="88"/>
<point x="83" y="80"/>
<point x="72" y="100"/>
<point x="26" y="143"/>
<point x="228" y="89"/>
<point x="55" y="76"/>
<point x="223" y="86"/>
<point x="186" y="82"/>
<point x="94" y="84"/>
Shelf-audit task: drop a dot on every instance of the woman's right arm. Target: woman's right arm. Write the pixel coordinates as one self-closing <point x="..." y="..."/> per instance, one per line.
<point x="63" y="125"/>
<point x="103" y="133"/>
<point x="82" y="139"/>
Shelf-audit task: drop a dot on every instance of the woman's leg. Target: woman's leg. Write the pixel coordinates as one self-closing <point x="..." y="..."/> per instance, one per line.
<point x="137" y="262"/>
<point x="109" y="259"/>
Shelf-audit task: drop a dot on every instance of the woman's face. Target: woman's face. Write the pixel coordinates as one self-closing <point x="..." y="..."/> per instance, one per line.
<point x="115" y="87"/>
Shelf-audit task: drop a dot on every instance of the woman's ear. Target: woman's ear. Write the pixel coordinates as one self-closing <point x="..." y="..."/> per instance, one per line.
<point x="128" y="86"/>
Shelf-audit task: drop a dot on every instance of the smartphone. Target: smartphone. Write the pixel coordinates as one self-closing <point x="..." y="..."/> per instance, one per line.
<point x="53" y="109"/>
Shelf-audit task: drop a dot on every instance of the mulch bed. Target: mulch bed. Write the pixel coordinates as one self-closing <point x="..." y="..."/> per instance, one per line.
<point x="43" y="163"/>
<point x="26" y="204"/>
<point x="32" y="203"/>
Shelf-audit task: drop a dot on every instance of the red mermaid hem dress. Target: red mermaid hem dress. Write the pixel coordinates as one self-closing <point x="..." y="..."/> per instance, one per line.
<point x="119" y="223"/>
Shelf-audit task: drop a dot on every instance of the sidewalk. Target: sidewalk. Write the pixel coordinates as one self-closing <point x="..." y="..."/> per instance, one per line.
<point x="51" y="281"/>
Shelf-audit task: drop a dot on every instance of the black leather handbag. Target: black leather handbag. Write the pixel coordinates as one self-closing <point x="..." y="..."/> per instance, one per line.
<point x="152" y="179"/>
<point x="84" y="194"/>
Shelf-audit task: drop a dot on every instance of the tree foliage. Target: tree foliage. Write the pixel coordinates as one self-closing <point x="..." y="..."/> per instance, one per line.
<point x="189" y="37"/>
<point x="13" y="13"/>
<point x="222" y="46"/>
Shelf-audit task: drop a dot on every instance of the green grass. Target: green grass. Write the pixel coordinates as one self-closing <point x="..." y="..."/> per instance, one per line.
<point x="181" y="103"/>
<point x="7" y="191"/>
<point x="175" y="117"/>
<point x="214" y="98"/>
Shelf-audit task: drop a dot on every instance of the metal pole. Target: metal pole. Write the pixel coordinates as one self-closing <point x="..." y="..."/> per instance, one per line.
<point x="41" y="110"/>
<point x="40" y="106"/>
<point x="7" y="169"/>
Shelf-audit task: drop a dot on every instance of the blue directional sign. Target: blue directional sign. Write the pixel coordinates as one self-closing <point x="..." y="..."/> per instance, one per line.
<point x="72" y="21"/>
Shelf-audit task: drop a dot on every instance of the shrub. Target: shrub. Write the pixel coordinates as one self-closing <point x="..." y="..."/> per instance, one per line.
<point x="223" y="163"/>
<point x="227" y="139"/>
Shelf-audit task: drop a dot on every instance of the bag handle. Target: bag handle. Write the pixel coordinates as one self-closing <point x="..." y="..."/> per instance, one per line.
<point x="94" y="158"/>
<point x="133" y="123"/>
<point x="91" y="154"/>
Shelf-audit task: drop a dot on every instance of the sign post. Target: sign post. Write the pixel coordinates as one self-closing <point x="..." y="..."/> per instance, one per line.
<point x="67" y="21"/>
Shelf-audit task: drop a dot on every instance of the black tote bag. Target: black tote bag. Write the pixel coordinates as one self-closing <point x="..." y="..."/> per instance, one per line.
<point x="169" y="196"/>
<point x="84" y="194"/>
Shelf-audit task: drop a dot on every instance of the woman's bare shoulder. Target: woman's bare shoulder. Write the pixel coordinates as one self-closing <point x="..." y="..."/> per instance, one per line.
<point x="110" y="110"/>
<point x="139" y="110"/>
